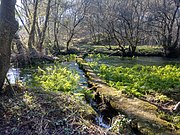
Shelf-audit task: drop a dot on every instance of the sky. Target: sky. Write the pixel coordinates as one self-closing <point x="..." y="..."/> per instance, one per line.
<point x="18" y="2"/>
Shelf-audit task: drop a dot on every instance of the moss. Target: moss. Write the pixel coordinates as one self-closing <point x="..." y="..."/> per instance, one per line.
<point x="176" y="121"/>
<point x="149" y="108"/>
<point x="172" y="118"/>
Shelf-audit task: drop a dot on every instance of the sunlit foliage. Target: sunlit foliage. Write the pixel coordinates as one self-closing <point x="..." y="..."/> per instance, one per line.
<point x="56" y="78"/>
<point x="139" y="80"/>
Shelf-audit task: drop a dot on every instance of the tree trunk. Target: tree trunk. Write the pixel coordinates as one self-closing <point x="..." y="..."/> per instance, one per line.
<point x="43" y="33"/>
<point x="171" y="47"/>
<point x="8" y="27"/>
<point x="32" y="51"/>
<point x="131" y="50"/>
<point x="69" y="41"/>
<point x="20" y="58"/>
<point x="56" y="29"/>
<point x="56" y="42"/>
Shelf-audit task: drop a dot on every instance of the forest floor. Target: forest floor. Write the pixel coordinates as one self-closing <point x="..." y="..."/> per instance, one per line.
<point x="46" y="113"/>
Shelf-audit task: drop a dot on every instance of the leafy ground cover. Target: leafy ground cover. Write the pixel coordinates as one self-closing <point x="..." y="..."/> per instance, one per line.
<point x="146" y="50"/>
<point x="51" y="103"/>
<point x="55" y="78"/>
<point x="143" y="50"/>
<point x="139" y="80"/>
<point x="159" y="85"/>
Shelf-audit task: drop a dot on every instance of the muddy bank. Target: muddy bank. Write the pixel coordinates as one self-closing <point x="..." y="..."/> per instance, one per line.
<point x="144" y="114"/>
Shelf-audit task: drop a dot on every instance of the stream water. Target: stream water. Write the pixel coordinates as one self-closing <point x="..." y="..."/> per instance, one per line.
<point x="22" y="75"/>
<point x="17" y="74"/>
<point x="14" y="75"/>
<point x="119" y="61"/>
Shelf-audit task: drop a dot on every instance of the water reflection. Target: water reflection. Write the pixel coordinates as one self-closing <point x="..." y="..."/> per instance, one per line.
<point x="13" y="75"/>
<point x="22" y="75"/>
<point x="119" y="61"/>
<point x="73" y="66"/>
<point x="16" y="75"/>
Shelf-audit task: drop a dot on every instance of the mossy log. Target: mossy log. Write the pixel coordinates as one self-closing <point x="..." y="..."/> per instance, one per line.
<point x="141" y="112"/>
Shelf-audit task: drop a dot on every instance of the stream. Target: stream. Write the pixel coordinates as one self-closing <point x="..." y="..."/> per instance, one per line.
<point x="150" y="61"/>
<point x="16" y="75"/>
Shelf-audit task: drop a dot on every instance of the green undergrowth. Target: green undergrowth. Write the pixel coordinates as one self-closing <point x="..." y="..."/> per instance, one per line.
<point x="140" y="80"/>
<point x="55" y="78"/>
<point x="140" y="50"/>
<point x="145" y="49"/>
<point x="173" y="118"/>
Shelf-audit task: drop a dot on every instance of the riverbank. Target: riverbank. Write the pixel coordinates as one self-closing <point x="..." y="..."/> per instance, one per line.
<point x="143" y="50"/>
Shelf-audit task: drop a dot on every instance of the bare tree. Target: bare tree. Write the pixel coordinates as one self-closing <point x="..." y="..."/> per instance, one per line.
<point x="122" y="23"/>
<point x="56" y="18"/>
<point x="43" y="32"/>
<point x="75" y="11"/>
<point x="128" y="26"/>
<point x="165" y="20"/>
<point x="119" y="21"/>
<point x="31" y="40"/>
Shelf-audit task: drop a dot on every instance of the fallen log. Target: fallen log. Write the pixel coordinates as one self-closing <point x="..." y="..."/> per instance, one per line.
<point x="146" y="115"/>
<point x="21" y="60"/>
